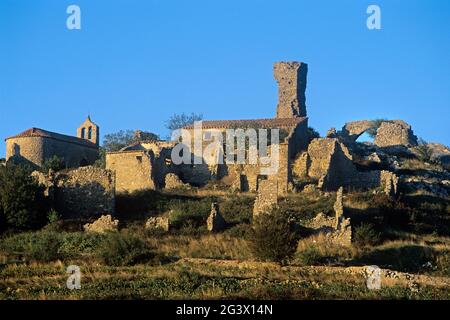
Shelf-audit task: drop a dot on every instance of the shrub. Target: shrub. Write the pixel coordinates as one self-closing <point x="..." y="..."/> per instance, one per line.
<point x="22" y="201"/>
<point x="41" y="246"/>
<point x="123" y="249"/>
<point x="190" y="213"/>
<point x="273" y="237"/>
<point x="237" y="209"/>
<point x="53" y="216"/>
<point x="54" y="163"/>
<point x="310" y="256"/>
<point x="366" y="235"/>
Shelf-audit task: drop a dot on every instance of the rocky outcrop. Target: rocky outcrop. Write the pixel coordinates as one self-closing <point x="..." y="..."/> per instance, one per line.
<point x="103" y="224"/>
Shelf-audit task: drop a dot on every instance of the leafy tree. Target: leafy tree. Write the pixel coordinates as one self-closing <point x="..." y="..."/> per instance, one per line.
<point x="178" y="121"/>
<point x="101" y="161"/>
<point x="54" y="163"/>
<point x="22" y="202"/>
<point x="118" y="140"/>
<point x="273" y="237"/>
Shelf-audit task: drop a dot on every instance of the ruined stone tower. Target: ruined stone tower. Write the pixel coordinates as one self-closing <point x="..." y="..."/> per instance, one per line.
<point x="89" y="131"/>
<point x="291" y="78"/>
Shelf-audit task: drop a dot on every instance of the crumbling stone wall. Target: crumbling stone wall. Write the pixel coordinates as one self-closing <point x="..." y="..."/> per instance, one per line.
<point x="267" y="197"/>
<point x="84" y="192"/>
<point x="291" y="78"/>
<point x="337" y="230"/>
<point x="132" y="169"/>
<point x="330" y="163"/>
<point x="395" y="133"/>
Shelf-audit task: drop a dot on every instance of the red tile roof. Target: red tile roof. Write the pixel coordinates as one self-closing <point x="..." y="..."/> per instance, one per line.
<point x="260" y="123"/>
<point x="36" y="132"/>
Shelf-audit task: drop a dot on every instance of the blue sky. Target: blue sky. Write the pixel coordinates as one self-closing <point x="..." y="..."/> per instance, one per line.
<point x="135" y="63"/>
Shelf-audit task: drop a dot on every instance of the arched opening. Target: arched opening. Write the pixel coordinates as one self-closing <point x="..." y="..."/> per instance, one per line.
<point x="83" y="133"/>
<point x="83" y="163"/>
<point x="90" y="133"/>
<point x="365" y="137"/>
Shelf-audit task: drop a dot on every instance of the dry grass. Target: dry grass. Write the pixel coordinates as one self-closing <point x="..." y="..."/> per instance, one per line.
<point x="213" y="246"/>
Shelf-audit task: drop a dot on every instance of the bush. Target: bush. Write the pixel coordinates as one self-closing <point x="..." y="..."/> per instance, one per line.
<point x="190" y="213"/>
<point x="310" y="256"/>
<point x="273" y="237"/>
<point x="123" y="250"/>
<point x="39" y="246"/>
<point x="22" y="202"/>
<point x="53" y="216"/>
<point x="366" y="235"/>
<point x="54" y="163"/>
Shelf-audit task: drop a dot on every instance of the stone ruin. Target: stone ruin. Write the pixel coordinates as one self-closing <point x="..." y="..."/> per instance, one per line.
<point x="158" y="223"/>
<point x="84" y="192"/>
<point x="267" y="197"/>
<point x="102" y="225"/>
<point x="337" y="230"/>
<point x="172" y="181"/>
<point x="389" y="133"/>
<point x="215" y="221"/>
<point x="329" y="162"/>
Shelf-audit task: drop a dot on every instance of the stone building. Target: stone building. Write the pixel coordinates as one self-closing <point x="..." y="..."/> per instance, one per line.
<point x="145" y="164"/>
<point x="34" y="146"/>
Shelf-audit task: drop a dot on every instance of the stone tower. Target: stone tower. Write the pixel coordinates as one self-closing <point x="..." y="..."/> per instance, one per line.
<point x="291" y="78"/>
<point x="89" y="131"/>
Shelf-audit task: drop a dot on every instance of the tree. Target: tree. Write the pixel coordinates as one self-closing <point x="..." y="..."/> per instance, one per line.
<point x="178" y="121"/>
<point x="118" y="140"/>
<point x="22" y="202"/>
<point x="54" y="163"/>
<point x="273" y="237"/>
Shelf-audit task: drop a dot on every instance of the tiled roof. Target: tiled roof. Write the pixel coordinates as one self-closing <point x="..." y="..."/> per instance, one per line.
<point x="260" y="123"/>
<point x="36" y="132"/>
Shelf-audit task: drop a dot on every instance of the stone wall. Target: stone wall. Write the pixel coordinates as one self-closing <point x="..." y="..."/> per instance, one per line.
<point x="83" y="192"/>
<point x="331" y="163"/>
<point x="291" y="78"/>
<point x="34" y="151"/>
<point x="132" y="169"/>
<point x="267" y="197"/>
<point x="395" y="133"/>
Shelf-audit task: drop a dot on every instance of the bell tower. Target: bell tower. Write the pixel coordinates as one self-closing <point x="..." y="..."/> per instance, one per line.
<point x="89" y="131"/>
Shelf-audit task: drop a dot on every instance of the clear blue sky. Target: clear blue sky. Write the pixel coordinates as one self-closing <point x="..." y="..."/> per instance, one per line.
<point x="135" y="63"/>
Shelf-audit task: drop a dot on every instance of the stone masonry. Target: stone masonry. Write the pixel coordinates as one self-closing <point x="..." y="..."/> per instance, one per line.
<point x="395" y="133"/>
<point x="215" y="221"/>
<point x="102" y="225"/>
<point x="267" y="197"/>
<point x="291" y="78"/>
<point x="83" y="192"/>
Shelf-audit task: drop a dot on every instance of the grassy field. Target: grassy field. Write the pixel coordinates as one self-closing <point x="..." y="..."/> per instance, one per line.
<point x="191" y="263"/>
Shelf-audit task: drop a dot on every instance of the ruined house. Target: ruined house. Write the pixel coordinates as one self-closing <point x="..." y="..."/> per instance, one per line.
<point x="144" y="165"/>
<point x="34" y="146"/>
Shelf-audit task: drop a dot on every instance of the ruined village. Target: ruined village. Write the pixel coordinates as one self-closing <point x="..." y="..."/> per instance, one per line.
<point x="335" y="205"/>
